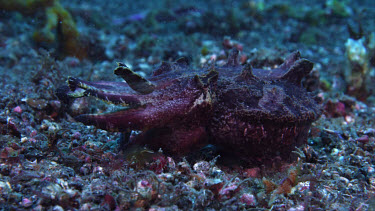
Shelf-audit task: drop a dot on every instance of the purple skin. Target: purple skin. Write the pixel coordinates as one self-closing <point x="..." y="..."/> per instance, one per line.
<point x="255" y="114"/>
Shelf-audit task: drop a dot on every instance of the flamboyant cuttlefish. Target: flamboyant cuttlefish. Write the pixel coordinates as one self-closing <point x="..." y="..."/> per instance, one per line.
<point x="252" y="113"/>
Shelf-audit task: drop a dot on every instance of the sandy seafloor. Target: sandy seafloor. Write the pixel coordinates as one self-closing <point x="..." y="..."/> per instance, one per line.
<point x="50" y="162"/>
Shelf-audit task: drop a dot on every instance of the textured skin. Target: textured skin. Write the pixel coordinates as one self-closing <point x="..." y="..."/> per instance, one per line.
<point x="252" y="113"/>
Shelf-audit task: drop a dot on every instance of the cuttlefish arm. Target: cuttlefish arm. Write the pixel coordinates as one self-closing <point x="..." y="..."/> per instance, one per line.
<point x="146" y="105"/>
<point x="140" y="118"/>
<point x="112" y="92"/>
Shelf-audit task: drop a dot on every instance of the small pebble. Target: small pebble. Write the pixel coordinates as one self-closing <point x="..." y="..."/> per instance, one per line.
<point x="248" y="199"/>
<point x="26" y="202"/>
<point x="17" y="109"/>
<point x="57" y="208"/>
